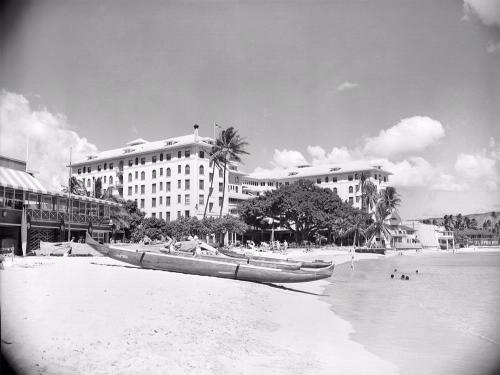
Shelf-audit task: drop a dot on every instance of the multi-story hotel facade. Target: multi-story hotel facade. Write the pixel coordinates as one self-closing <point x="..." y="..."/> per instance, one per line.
<point x="171" y="178"/>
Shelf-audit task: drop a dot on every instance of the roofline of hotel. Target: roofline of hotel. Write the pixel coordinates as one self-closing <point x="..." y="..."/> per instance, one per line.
<point x="140" y="152"/>
<point x="315" y="174"/>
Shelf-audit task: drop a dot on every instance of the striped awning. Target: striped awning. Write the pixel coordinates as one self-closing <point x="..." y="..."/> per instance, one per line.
<point x="20" y="180"/>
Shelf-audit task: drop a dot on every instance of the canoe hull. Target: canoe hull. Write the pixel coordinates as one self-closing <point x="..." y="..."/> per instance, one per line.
<point x="209" y="267"/>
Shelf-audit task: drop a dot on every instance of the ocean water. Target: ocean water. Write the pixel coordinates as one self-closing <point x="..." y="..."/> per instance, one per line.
<point x="444" y="320"/>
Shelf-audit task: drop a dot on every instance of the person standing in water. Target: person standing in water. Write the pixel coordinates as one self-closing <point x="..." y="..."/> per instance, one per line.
<point x="352" y="263"/>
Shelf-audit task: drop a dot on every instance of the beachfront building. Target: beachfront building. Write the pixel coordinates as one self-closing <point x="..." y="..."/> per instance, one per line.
<point x="30" y="213"/>
<point x="168" y="179"/>
<point x="432" y="236"/>
<point x="344" y="179"/>
<point x="477" y="237"/>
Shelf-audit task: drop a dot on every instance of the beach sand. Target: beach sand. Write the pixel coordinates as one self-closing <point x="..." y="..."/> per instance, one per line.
<point x="71" y="315"/>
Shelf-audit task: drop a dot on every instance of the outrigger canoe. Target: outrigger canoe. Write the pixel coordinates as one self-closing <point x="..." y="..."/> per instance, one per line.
<point x="303" y="264"/>
<point x="208" y="267"/>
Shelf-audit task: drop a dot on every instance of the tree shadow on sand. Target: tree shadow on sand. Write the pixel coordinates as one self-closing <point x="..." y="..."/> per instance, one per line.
<point x="294" y="290"/>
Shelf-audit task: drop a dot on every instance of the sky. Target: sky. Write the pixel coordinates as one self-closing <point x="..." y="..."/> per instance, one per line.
<point x="413" y="86"/>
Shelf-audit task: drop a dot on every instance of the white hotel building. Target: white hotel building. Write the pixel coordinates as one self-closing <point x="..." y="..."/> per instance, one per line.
<point x="171" y="178"/>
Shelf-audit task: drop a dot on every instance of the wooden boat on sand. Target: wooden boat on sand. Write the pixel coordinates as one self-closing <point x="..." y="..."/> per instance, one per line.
<point x="303" y="264"/>
<point x="203" y="266"/>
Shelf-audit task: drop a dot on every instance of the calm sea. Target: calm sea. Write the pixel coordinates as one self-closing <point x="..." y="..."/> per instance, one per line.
<point x="444" y="320"/>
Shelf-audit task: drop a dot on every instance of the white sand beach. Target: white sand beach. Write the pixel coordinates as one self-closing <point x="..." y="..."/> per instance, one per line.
<point x="93" y="315"/>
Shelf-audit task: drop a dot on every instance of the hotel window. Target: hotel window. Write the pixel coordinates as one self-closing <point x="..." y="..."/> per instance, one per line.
<point x="110" y="165"/>
<point x="79" y="171"/>
<point x="220" y="172"/>
<point x="179" y="198"/>
<point x="143" y="161"/>
<point x="99" y="168"/>
<point x="105" y="166"/>
<point x="357" y="188"/>
<point x="161" y="171"/>
<point x="335" y="190"/>
<point x="168" y="172"/>
<point x="202" y="170"/>
<point x="84" y="169"/>
<point x="179" y="169"/>
<point x="201" y="154"/>
<point x="89" y="169"/>
<point x="357" y="199"/>
<point x="263" y="183"/>
<point x="136" y="175"/>
<point x="179" y="184"/>
<point x="143" y="175"/>
<point x="130" y="190"/>
<point x="129" y="177"/>
<point x="143" y="189"/>
<point x="161" y="215"/>
<point x="136" y="161"/>
<point x="161" y="186"/>
<point x="153" y="215"/>
<point x="130" y="162"/>
<point x="186" y="213"/>
<point x="153" y="202"/>
<point x="220" y="201"/>
<point x="153" y="173"/>
<point x="161" y="157"/>
<point x="326" y="179"/>
<point x="349" y="177"/>
<point x="375" y="176"/>
<point x="136" y="189"/>
<point x="142" y="203"/>
<point x="104" y="179"/>
<point x="356" y="176"/>
<point x="168" y="186"/>
<point x="201" y="200"/>
<point x="334" y="179"/>
<point x="153" y="159"/>
<point x="210" y="207"/>
<point x="187" y="199"/>
<point x="350" y="190"/>
<point x="161" y="201"/>
<point x="385" y="179"/>
<point x="187" y="153"/>
<point x="178" y="214"/>
<point x="187" y="170"/>
<point x="168" y="157"/>
<point x="167" y="216"/>
<point x="110" y="180"/>
<point x="167" y="201"/>
<point x="179" y="154"/>
<point x="153" y="189"/>
<point x="220" y="187"/>
<point x="187" y="184"/>
<point x="202" y="185"/>
<point x="351" y="200"/>
<point x="318" y="180"/>
<point x="210" y="176"/>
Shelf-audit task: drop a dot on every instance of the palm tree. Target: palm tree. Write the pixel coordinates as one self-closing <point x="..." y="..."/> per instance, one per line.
<point x="357" y="224"/>
<point x="390" y="198"/>
<point x="369" y="196"/>
<point x="77" y="187"/>
<point x="379" y="226"/>
<point x="216" y="159"/>
<point x="230" y="146"/>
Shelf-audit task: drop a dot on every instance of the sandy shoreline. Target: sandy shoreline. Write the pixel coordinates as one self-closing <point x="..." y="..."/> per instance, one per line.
<point x="99" y="316"/>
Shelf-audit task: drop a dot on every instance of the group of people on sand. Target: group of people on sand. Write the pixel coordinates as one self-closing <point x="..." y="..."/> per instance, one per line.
<point x="188" y="244"/>
<point x="272" y="246"/>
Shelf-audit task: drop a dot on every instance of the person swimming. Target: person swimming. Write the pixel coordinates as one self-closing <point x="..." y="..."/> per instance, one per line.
<point x="402" y="277"/>
<point x="407" y="277"/>
<point x="392" y="276"/>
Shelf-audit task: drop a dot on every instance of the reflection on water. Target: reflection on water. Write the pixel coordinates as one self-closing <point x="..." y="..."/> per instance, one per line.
<point x="444" y="319"/>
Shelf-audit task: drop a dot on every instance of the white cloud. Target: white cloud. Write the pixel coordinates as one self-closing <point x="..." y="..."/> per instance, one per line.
<point x="447" y="182"/>
<point x="488" y="11"/>
<point x="410" y="136"/>
<point x="336" y="155"/>
<point x="414" y="172"/>
<point x="493" y="47"/>
<point x="478" y="170"/>
<point x="346" y="86"/>
<point x="50" y="139"/>
<point x="317" y="152"/>
<point x="288" y="158"/>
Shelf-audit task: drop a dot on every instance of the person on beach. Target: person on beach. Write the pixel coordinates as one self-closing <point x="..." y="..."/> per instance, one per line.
<point x="352" y="263"/>
<point x="285" y="246"/>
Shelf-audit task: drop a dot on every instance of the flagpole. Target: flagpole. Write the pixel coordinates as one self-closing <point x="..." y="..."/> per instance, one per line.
<point x="69" y="197"/>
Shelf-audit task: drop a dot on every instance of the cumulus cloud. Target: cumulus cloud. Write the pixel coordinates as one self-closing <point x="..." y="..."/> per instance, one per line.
<point x="493" y="47"/>
<point x="410" y="136"/>
<point x="488" y="11"/>
<point x="287" y="158"/>
<point x="50" y="139"/>
<point x="478" y="170"/>
<point x="347" y="86"/>
<point x="336" y="155"/>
